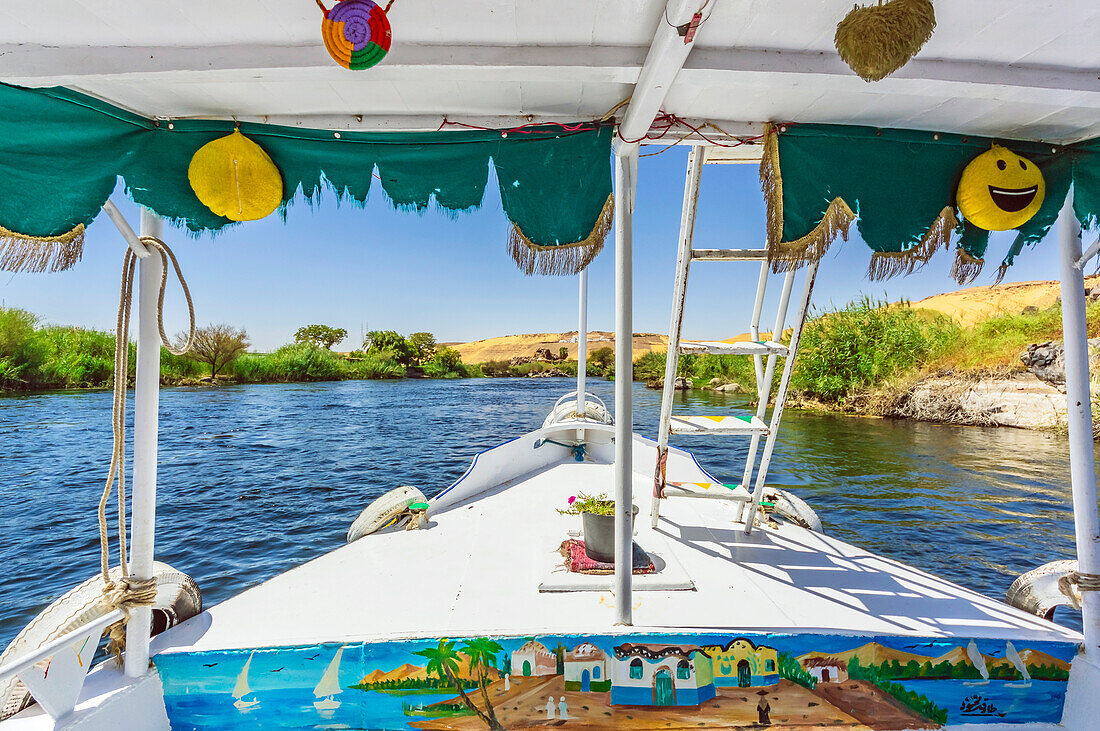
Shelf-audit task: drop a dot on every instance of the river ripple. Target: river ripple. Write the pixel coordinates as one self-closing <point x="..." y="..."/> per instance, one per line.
<point x="257" y="479"/>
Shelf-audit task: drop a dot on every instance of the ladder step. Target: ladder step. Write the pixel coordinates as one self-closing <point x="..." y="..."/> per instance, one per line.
<point x="747" y="425"/>
<point x="707" y="490"/>
<point x="748" y="347"/>
<point x="729" y="254"/>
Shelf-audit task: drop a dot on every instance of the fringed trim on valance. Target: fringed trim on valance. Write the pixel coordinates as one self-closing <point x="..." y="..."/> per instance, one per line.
<point x="966" y="268"/>
<point x="562" y="259"/>
<point x="22" y="253"/>
<point x="790" y="255"/>
<point x="887" y="264"/>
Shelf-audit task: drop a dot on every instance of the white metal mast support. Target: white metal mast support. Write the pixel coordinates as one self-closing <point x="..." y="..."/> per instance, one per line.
<point x="146" y="424"/>
<point x="679" y="294"/>
<point x="582" y="343"/>
<point x="1079" y="416"/>
<point x="764" y="379"/>
<point x="781" y="393"/>
<point x="626" y="170"/>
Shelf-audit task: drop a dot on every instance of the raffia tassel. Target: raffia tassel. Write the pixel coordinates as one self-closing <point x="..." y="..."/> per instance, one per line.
<point x="786" y="256"/>
<point x="791" y="255"/>
<point x="887" y="264"/>
<point x="563" y="259"/>
<point x="1002" y="270"/>
<point x="966" y="268"/>
<point x="772" y="184"/>
<point x="20" y="253"/>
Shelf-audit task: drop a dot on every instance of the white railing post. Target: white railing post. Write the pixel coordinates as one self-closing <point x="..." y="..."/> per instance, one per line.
<point x="1079" y="417"/>
<point x="582" y="343"/>
<point x="146" y="424"/>
<point x="626" y="170"/>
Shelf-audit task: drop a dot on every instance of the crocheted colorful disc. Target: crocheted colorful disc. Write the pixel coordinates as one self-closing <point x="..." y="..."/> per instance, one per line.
<point x="356" y="33"/>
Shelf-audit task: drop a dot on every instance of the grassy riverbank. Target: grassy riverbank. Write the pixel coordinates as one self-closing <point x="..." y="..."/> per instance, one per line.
<point x="867" y="355"/>
<point x="36" y="356"/>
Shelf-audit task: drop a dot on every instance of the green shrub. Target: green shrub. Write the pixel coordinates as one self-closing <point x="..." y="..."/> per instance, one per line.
<point x="864" y="344"/>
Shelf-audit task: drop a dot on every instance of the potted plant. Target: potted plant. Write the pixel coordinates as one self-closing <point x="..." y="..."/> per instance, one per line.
<point x="598" y="522"/>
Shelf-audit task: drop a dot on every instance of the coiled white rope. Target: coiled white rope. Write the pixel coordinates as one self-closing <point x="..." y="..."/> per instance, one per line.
<point x="128" y="592"/>
<point x="1082" y="581"/>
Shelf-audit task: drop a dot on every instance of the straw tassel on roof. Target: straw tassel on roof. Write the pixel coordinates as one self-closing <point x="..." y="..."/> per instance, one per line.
<point x="786" y="256"/>
<point x="561" y="259"/>
<point x="877" y="40"/>
<point x="22" y="253"/>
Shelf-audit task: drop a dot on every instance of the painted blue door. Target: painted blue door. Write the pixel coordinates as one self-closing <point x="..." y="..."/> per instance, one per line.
<point x="585" y="680"/>
<point x="744" y="674"/>
<point x="664" y="693"/>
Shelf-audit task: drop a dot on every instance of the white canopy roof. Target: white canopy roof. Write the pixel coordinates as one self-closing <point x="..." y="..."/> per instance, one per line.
<point x="1011" y="68"/>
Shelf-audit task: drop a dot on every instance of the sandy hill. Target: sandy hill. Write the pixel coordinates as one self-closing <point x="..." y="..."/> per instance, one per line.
<point x="870" y="654"/>
<point x="511" y="346"/>
<point x="974" y="304"/>
<point x="965" y="306"/>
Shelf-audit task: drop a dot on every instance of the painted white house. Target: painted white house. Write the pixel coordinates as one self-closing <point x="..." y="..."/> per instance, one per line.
<point x="826" y="669"/>
<point x="661" y="675"/>
<point x="586" y="669"/>
<point x="532" y="659"/>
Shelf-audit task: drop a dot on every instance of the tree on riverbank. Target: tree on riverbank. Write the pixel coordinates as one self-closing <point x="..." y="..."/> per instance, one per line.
<point x="321" y="336"/>
<point x="423" y="346"/>
<point x="217" y="346"/>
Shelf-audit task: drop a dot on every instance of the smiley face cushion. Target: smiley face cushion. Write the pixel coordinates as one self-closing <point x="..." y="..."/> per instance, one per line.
<point x="999" y="190"/>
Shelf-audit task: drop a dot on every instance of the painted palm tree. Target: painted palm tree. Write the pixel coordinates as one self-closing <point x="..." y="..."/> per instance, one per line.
<point x="483" y="655"/>
<point x="443" y="662"/>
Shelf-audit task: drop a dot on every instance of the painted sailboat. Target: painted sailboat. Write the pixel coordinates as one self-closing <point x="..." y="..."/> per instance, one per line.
<point x="242" y="689"/>
<point x="978" y="659"/>
<point x="1018" y="662"/>
<point x="329" y="685"/>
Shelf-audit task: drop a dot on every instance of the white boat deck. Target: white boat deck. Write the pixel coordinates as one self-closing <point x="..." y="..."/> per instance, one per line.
<point x="479" y="564"/>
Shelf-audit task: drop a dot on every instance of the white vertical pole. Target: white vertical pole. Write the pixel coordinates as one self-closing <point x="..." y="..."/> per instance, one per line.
<point x="626" y="167"/>
<point x="146" y="405"/>
<point x="582" y="343"/>
<point x="1079" y="415"/>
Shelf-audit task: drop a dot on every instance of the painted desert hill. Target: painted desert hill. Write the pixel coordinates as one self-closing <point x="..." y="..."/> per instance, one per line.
<point x="409" y="671"/>
<point x="875" y="654"/>
<point x="870" y="654"/>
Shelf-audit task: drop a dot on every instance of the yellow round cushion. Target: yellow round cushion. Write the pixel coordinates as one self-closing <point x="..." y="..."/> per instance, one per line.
<point x="235" y="178"/>
<point x="999" y="190"/>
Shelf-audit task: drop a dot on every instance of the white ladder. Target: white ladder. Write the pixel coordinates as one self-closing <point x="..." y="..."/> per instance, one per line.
<point x="754" y="426"/>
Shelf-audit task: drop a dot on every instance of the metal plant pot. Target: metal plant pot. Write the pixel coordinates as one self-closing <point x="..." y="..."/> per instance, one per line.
<point x="599" y="535"/>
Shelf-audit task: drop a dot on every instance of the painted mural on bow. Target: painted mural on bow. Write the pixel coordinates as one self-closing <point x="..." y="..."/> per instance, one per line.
<point x="621" y="681"/>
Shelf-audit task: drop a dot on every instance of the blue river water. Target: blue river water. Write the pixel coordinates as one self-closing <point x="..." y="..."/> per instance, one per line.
<point x="254" y="480"/>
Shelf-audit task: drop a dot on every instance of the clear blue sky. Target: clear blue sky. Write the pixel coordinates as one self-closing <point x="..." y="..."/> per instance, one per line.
<point x="383" y="269"/>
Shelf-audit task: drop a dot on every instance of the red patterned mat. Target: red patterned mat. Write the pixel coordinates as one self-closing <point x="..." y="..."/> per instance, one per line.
<point x="577" y="561"/>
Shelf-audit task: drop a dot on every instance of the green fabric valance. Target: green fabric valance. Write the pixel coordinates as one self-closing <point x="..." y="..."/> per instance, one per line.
<point x="61" y="153"/>
<point x="899" y="187"/>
